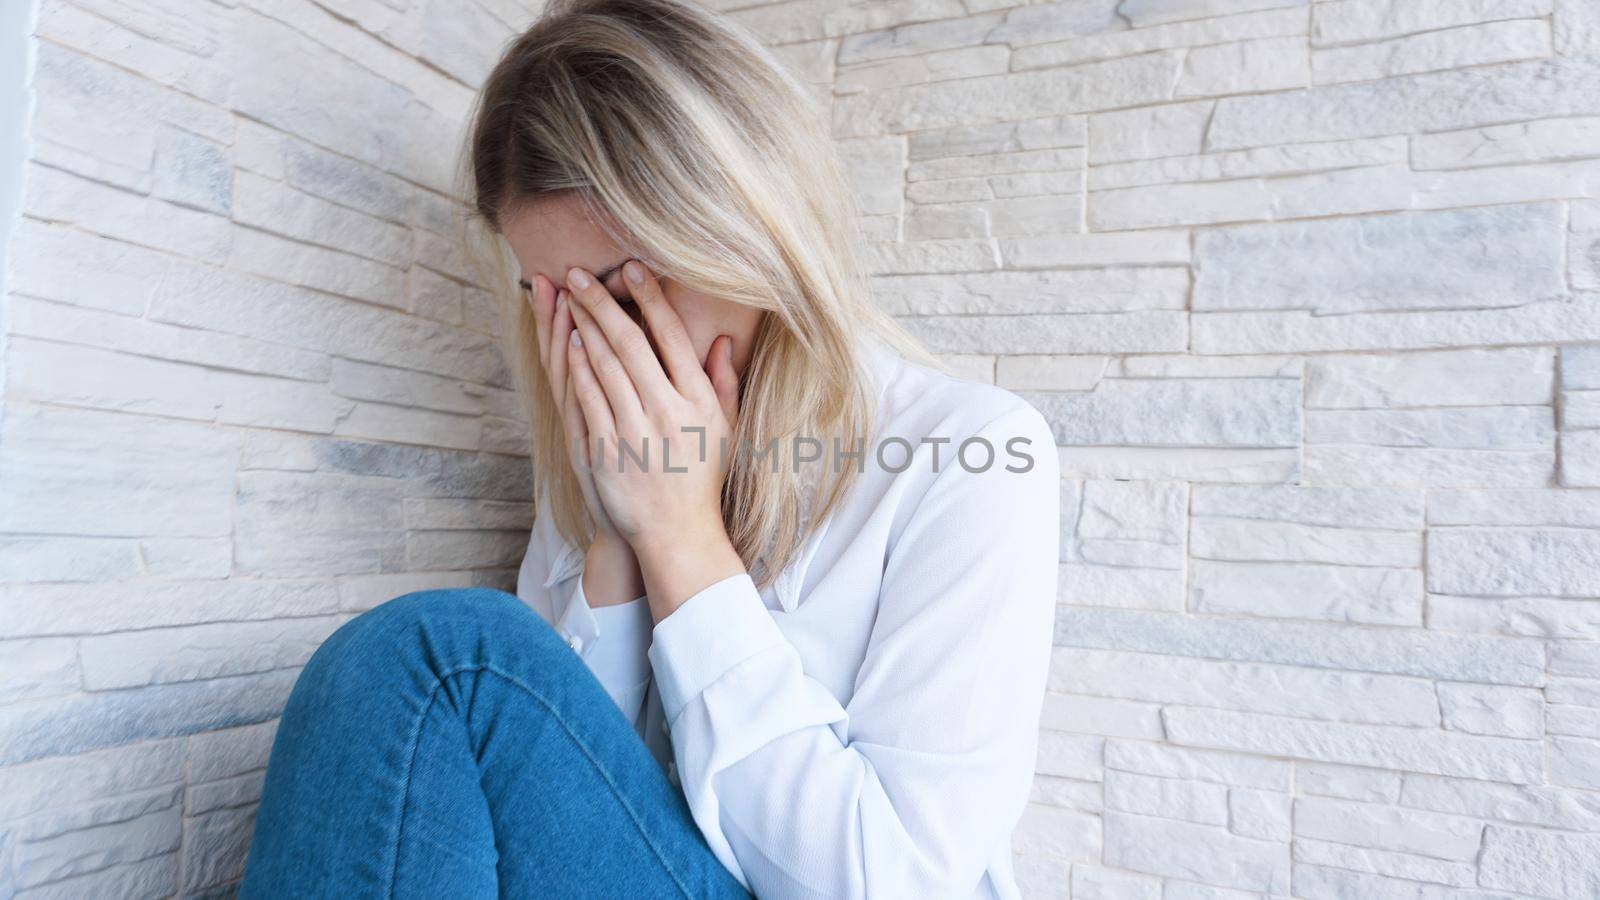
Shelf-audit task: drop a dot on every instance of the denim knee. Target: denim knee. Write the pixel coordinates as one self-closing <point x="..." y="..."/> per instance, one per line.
<point x="473" y="608"/>
<point x="437" y="628"/>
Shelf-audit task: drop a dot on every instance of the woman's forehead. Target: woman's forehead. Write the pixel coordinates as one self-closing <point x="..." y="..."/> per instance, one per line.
<point x="548" y="237"/>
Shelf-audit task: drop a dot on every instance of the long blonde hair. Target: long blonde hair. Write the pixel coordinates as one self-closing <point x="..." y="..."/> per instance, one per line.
<point x="693" y="149"/>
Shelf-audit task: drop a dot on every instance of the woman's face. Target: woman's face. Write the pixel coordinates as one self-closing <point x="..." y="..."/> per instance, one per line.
<point x="550" y="235"/>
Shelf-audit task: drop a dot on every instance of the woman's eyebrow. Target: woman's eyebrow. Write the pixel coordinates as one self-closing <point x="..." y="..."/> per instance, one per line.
<point x="602" y="276"/>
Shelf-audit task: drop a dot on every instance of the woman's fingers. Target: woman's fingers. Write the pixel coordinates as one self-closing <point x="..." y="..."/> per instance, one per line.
<point x="625" y="340"/>
<point x="724" y="380"/>
<point x="605" y="365"/>
<point x="677" y="351"/>
<point x="542" y="301"/>
<point x="597" y="414"/>
<point x="556" y="345"/>
<point x="577" y="432"/>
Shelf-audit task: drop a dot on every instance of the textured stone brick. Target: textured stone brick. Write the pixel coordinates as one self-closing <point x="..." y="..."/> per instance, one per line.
<point x="1167" y="761"/>
<point x="1092" y="883"/>
<point x="1101" y="716"/>
<point x="1542" y="863"/>
<point x="1071" y="755"/>
<point x="67" y="471"/>
<point x="1573" y="761"/>
<point x="1260" y="65"/>
<point x="171" y="46"/>
<point x="1432" y="51"/>
<point x="1298" y="159"/>
<point x="90" y="721"/>
<point x="1539" y="805"/>
<point x="1388" y="863"/>
<point x="281" y="209"/>
<point x="1387" y="828"/>
<point x="1259" y="814"/>
<point x="147" y="221"/>
<point x="73" y="841"/>
<point x="1063" y="291"/>
<point x="1093" y="86"/>
<point x="1370" y="20"/>
<point x="1254" y="20"/>
<point x="1195" y="852"/>
<point x="1493" y="660"/>
<point x="198" y="652"/>
<point x="1131" y="332"/>
<point x="1309" y="693"/>
<point x="1279" y="331"/>
<point x="1057" y="833"/>
<point x="152" y="340"/>
<point x="1550" y="562"/>
<point x="1492" y="710"/>
<point x="1428" y="467"/>
<point x="1335" y="593"/>
<point x="1520" y="616"/>
<point x="1206" y="412"/>
<point x="1439" y="378"/>
<point x="1435" y="752"/>
<point x="130" y="110"/>
<point x="1043" y="877"/>
<point x="278" y="64"/>
<point x="1432" y="101"/>
<point x="253" y="307"/>
<point x="215" y="845"/>
<point x="1527" y="142"/>
<point x="48" y="667"/>
<point x="90" y="377"/>
<point x="1167" y="798"/>
<point x="1270" y="541"/>
<point x="1348" y="782"/>
<point x="1417" y="260"/>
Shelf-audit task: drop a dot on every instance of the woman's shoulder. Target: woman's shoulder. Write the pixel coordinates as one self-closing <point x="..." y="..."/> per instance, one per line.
<point x="977" y="458"/>
<point x="917" y="401"/>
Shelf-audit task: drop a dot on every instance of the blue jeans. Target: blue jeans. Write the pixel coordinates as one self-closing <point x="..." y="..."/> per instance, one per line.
<point x="448" y="743"/>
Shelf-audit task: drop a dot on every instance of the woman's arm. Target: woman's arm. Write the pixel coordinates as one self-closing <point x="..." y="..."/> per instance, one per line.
<point x="914" y="785"/>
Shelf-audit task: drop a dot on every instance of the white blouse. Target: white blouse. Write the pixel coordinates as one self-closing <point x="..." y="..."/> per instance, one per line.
<point x="867" y="725"/>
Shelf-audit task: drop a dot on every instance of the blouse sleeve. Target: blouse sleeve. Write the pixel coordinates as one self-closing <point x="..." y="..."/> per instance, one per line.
<point x="613" y="641"/>
<point x="913" y="786"/>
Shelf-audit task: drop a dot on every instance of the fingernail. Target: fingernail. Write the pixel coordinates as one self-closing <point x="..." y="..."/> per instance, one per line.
<point x="577" y="341"/>
<point x="577" y="278"/>
<point x="634" y="271"/>
<point x="727" y="349"/>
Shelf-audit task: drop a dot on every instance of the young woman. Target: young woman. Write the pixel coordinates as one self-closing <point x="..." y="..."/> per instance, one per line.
<point x="784" y="620"/>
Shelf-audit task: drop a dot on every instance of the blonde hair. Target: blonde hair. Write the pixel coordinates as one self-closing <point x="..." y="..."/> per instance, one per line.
<point x="700" y="155"/>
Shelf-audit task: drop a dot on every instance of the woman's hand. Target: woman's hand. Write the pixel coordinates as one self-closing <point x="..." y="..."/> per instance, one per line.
<point x="660" y="433"/>
<point x="610" y="570"/>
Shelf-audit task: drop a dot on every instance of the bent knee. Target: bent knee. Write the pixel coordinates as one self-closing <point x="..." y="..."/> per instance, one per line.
<point x="464" y="607"/>
<point x="435" y="628"/>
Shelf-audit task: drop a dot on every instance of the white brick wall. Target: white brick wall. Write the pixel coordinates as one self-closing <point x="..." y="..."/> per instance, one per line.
<point x="249" y="392"/>
<point x="1310" y="291"/>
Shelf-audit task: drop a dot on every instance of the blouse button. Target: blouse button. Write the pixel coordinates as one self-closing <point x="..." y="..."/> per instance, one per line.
<point x="576" y="643"/>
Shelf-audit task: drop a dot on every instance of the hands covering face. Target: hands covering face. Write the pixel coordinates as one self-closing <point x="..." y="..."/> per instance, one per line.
<point x="648" y="435"/>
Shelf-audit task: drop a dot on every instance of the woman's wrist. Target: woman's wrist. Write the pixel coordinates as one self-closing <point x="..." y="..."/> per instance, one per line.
<point x="675" y="567"/>
<point x="610" y="572"/>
